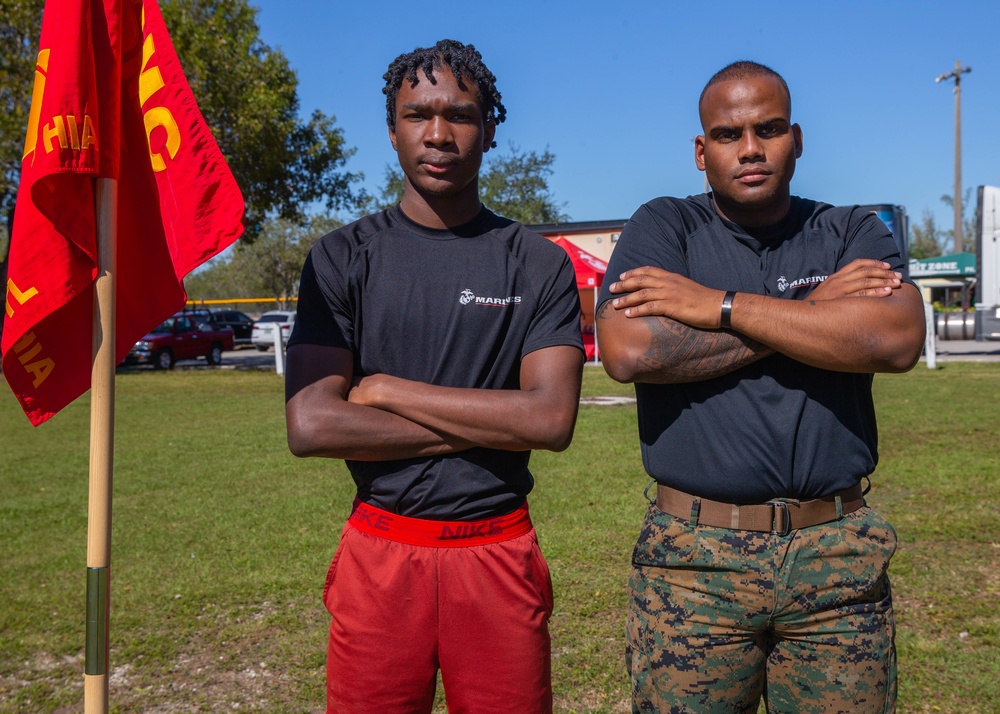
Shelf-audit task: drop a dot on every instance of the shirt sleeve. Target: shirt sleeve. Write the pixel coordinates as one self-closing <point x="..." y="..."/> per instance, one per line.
<point x="870" y="238"/>
<point x="650" y="238"/>
<point x="324" y="315"/>
<point x="557" y="318"/>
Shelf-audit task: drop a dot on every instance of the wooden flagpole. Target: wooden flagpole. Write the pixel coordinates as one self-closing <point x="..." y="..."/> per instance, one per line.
<point x="102" y="441"/>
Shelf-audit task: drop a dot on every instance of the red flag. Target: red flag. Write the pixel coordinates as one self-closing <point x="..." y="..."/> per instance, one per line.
<point x="110" y="100"/>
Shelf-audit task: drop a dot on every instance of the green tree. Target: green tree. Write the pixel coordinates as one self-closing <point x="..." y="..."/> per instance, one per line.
<point x="268" y="267"/>
<point x="22" y="21"/>
<point x="248" y="94"/>
<point x="925" y="239"/>
<point x="968" y="242"/>
<point x="246" y="90"/>
<point x="514" y="184"/>
<point x="391" y="192"/>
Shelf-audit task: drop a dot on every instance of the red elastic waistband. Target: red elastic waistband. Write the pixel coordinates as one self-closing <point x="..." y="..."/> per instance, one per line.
<point x="439" y="534"/>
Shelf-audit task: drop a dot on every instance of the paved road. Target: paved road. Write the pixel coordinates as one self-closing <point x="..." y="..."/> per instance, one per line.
<point x="251" y="358"/>
<point x="248" y="358"/>
<point x="242" y="358"/>
<point x="968" y="351"/>
<point x="947" y="351"/>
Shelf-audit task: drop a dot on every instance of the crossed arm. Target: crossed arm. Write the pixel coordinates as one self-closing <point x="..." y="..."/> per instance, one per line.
<point x="863" y="318"/>
<point x="381" y="417"/>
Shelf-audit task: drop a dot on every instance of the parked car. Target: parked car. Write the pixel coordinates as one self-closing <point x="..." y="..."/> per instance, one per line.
<point x="240" y="323"/>
<point x="186" y="335"/>
<point x="263" y="330"/>
<point x="201" y="316"/>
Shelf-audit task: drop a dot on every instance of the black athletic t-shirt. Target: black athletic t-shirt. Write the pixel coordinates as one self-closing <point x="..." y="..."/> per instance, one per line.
<point x="776" y="428"/>
<point x="456" y="308"/>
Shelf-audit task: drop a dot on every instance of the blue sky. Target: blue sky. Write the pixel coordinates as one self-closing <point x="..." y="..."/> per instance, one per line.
<point x="611" y="87"/>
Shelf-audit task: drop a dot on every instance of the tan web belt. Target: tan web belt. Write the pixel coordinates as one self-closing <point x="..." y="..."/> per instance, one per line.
<point x="778" y="516"/>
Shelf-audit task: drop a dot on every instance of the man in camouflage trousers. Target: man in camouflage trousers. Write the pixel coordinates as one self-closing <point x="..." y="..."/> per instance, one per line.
<point x="752" y="322"/>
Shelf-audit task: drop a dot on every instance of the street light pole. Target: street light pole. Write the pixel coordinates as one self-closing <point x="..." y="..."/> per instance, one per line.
<point x="956" y="74"/>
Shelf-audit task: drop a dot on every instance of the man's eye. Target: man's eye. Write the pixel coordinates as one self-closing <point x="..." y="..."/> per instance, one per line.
<point x="727" y="136"/>
<point x="768" y="131"/>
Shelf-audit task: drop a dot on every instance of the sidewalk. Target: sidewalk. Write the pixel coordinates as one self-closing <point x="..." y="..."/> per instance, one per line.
<point x="950" y="351"/>
<point x="968" y="351"/>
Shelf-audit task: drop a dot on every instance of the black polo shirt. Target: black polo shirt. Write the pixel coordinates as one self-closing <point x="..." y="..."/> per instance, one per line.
<point x="777" y="427"/>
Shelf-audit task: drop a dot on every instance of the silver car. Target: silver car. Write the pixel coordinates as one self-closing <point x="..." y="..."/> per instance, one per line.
<point x="263" y="333"/>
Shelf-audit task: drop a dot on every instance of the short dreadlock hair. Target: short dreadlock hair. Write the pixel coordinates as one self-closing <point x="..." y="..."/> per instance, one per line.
<point x="464" y="61"/>
<point x="745" y="69"/>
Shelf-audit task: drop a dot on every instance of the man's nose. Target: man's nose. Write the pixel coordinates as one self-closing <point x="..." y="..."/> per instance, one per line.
<point x="751" y="148"/>
<point x="438" y="132"/>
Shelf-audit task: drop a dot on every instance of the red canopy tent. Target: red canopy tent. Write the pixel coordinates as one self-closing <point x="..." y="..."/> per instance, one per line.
<point x="589" y="271"/>
<point x="589" y="268"/>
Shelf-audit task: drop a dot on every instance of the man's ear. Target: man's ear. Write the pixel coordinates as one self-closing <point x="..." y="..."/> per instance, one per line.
<point x="699" y="152"/>
<point x="489" y="131"/>
<point x="797" y="134"/>
<point x="392" y="137"/>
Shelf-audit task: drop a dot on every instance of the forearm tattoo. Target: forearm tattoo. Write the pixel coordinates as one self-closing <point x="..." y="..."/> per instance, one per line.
<point x="683" y="353"/>
<point x="679" y="353"/>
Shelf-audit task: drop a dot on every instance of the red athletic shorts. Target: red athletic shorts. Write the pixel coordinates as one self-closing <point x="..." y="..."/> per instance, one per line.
<point x="410" y="596"/>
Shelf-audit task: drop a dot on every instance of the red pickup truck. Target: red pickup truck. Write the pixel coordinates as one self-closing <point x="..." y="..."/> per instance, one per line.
<point x="183" y="336"/>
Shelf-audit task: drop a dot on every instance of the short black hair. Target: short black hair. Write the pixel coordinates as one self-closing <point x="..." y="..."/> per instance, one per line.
<point x="464" y="61"/>
<point x="745" y="69"/>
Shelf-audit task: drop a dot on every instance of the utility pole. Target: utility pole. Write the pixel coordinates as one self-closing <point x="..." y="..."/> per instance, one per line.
<point x="956" y="74"/>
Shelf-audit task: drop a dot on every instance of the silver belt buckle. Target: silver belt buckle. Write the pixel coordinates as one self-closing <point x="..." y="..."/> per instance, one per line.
<point x="776" y="508"/>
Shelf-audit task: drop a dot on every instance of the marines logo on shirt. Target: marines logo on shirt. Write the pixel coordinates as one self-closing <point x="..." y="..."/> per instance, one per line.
<point x="784" y="285"/>
<point x="468" y="297"/>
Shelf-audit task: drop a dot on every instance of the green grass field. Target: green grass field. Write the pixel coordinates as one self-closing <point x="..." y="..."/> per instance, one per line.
<point x="222" y="540"/>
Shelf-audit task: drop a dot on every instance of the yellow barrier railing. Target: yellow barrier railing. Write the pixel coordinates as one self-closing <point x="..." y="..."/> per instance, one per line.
<point x="252" y="306"/>
<point x="238" y="301"/>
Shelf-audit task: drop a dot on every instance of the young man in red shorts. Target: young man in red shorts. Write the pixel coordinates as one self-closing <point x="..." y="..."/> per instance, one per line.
<point x="436" y="344"/>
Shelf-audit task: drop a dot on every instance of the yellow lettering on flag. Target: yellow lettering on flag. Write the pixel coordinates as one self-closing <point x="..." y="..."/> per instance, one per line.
<point x="161" y="116"/>
<point x="67" y="130"/>
<point x="150" y="82"/>
<point x="55" y="130"/>
<point x="89" y="138"/>
<point x="74" y="134"/>
<point x="20" y="297"/>
<point x="26" y="349"/>
<point x="31" y="353"/>
<point x="31" y="139"/>
<point x="150" y="79"/>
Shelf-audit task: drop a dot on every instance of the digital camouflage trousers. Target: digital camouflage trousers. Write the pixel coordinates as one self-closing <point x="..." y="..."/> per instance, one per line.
<point x="719" y="618"/>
